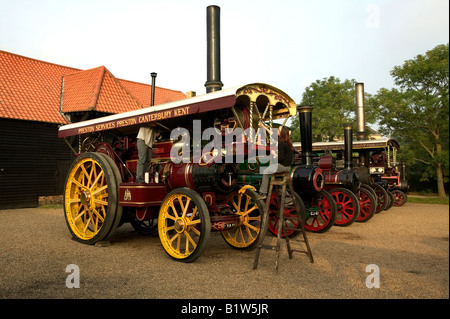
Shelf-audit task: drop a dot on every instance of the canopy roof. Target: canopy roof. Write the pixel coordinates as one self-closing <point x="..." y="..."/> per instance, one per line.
<point x="356" y="145"/>
<point x="258" y="93"/>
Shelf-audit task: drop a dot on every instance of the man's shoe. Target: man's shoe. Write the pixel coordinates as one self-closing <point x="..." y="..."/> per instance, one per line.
<point x="262" y="196"/>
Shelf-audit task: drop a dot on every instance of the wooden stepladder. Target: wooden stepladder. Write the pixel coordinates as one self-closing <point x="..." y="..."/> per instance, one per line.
<point x="281" y="179"/>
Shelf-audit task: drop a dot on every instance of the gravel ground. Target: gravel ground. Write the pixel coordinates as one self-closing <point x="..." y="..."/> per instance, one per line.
<point x="408" y="244"/>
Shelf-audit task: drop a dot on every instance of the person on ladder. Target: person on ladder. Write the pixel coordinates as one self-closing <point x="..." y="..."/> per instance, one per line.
<point x="285" y="157"/>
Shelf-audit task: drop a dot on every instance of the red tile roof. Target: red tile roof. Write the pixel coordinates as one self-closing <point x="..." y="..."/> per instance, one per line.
<point x="96" y="89"/>
<point x="31" y="90"/>
<point x="142" y="93"/>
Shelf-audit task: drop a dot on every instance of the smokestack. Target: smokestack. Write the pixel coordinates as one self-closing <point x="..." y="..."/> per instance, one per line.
<point x="360" y="112"/>
<point x="305" y="114"/>
<point x="348" y="142"/>
<point x="403" y="172"/>
<point x="213" y="81"/>
<point x="153" y="75"/>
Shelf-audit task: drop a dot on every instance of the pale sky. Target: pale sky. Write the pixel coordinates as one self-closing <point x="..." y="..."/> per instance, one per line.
<point x="286" y="43"/>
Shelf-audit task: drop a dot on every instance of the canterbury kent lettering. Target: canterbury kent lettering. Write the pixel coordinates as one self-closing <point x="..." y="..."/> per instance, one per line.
<point x="157" y="116"/>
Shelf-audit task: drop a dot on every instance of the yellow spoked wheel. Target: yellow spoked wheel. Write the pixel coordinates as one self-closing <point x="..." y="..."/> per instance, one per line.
<point x="91" y="198"/>
<point x="184" y="225"/>
<point x="250" y="210"/>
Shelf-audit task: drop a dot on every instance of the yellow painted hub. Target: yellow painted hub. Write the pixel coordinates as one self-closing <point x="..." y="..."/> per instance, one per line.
<point x="178" y="225"/>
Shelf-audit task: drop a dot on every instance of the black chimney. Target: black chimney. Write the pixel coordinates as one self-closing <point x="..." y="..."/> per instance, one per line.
<point x="153" y="75"/>
<point x="213" y="81"/>
<point x="403" y="171"/>
<point x="348" y="142"/>
<point x="305" y="114"/>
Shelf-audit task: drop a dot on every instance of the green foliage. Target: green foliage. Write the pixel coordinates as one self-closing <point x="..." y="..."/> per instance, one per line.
<point x="334" y="105"/>
<point x="417" y="112"/>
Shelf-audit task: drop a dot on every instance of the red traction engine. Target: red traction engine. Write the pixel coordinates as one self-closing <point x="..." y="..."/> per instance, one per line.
<point x="398" y="184"/>
<point x="181" y="202"/>
<point x="355" y="201"/>
<point x="386" y="172"/>
<point x="308" y="180"/>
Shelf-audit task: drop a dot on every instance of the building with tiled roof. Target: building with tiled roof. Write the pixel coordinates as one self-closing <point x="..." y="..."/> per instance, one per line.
<point x="41" y="91"/>
<point x="30" y="89"/>
<point x="95" y="90"/>
<point x="35" y="98"/>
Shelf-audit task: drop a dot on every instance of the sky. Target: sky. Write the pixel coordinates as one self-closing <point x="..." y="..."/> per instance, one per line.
<point x="288" y="44"/>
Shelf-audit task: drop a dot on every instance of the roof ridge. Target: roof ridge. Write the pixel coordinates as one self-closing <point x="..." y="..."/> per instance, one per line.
<point x="97" y="88"/>
<point x="123" y="88"/>
<point x="156" y="87"/>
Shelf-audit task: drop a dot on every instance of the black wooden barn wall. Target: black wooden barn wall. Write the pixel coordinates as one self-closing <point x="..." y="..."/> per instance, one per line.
<point x="33" y="162"/>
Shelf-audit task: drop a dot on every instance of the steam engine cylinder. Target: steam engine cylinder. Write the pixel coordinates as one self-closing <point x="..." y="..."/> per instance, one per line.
<point x="403" y="186"/>
<point x="345" y="178"/>
<point x="221" y="178"/>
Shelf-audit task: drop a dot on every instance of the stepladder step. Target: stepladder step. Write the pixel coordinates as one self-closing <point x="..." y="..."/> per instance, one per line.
<point x="278" y="183"/>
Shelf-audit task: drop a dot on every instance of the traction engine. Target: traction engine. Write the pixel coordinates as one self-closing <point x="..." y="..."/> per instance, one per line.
<point x="312" y="202"/>
<point x="182" y="202"/>
<point x="321" y="209"/>
<point x="355" y="200"/>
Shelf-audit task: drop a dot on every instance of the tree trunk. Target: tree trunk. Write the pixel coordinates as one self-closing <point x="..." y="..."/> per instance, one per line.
<point x="440" y="180"/>
<point x="439" y="174"/>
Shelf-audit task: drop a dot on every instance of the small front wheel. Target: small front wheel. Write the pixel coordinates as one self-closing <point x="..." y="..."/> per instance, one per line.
<point x="382" y="198"/>
<point x="294" y="214"/>
<point x="367" y="203"/>
<point x="347" y="206"/>
<point x="250" y="210"/>
<point x="184" y="224"/>
<point x="321" y="213"/>
<point x="400" y="197"/>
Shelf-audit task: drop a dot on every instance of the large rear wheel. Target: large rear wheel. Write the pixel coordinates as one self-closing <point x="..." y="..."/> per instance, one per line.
<point x="91" y="198"/>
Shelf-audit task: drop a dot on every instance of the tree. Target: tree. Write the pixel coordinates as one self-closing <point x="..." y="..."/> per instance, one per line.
<point x="334" y="105"/>
<point x="417" y="112"/>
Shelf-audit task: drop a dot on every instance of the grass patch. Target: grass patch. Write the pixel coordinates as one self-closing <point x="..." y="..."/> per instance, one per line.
<point x="428" y="200"/>
<point x="50" y="201"/>
<point x="46" y="206"/>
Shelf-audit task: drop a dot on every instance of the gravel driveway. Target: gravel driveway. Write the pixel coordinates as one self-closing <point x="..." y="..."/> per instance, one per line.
<point x="406" y="246"/>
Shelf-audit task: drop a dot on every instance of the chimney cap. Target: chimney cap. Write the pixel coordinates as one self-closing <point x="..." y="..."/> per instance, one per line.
<point x="305" y="108"/>
<point x="348" y="126"/>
